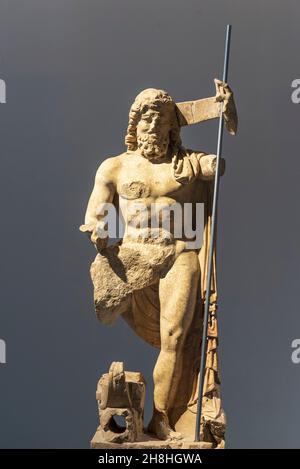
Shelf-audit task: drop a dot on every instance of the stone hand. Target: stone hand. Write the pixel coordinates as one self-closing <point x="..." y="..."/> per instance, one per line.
<point x="100" y="242"/>
<point x="224" y="94"/>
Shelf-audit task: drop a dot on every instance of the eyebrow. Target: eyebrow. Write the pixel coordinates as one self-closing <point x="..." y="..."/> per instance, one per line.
<point x="150" y="114"/>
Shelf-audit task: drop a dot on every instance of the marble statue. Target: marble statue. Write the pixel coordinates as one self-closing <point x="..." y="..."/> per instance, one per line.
<point x="153" y="277"/>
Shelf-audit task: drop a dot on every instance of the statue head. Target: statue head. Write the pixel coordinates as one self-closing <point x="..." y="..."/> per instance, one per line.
<point x="153" y="127"/>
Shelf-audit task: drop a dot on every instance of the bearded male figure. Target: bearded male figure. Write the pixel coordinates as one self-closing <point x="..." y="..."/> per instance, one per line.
<point x="152" y="277"/>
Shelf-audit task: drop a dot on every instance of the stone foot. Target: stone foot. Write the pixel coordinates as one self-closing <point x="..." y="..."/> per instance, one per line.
<point x="159" y="426"/>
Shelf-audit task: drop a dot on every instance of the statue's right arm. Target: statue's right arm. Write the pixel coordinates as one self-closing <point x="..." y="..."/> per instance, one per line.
<point x="102" y="194"/>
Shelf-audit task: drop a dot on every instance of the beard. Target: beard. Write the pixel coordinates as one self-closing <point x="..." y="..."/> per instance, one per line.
<point x="152" y="146"/>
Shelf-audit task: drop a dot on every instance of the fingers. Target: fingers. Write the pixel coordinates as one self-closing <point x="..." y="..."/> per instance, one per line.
<point x="223" y="91"/>
<point x="223" y="84"/>
<point x="86" y="228"/>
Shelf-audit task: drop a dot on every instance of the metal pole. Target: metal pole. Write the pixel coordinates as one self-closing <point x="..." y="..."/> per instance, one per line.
<point x="211" y="246"/>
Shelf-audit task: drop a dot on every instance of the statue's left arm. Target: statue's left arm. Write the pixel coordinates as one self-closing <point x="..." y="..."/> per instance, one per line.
<point x="192" y="112"/>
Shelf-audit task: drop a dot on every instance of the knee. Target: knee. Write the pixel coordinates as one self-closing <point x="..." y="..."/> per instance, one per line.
<point x="172" y="339"/>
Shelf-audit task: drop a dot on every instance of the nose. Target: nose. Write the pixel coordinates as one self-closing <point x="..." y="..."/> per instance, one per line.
<point x="154" y="123"/>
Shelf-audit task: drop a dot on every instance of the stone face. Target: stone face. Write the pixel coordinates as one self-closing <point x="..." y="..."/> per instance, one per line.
<point x="153" y="278"/>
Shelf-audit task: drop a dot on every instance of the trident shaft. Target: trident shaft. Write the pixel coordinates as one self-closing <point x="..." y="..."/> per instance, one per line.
<point x="211" y="246"/>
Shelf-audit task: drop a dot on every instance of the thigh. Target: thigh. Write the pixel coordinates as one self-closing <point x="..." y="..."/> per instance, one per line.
<point x="177" y="295"/>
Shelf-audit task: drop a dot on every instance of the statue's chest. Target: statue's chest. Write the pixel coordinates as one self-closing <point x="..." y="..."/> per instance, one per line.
<point x="137" y="183"/>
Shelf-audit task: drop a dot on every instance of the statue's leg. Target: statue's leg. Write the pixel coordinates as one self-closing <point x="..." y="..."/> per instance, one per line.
<point x="178" y="295"/>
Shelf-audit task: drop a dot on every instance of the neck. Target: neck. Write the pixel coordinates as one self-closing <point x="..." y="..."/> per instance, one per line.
<point x="164" y="158"/>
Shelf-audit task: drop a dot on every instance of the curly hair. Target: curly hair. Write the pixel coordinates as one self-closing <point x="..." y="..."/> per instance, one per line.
<point x="151" y="97"/>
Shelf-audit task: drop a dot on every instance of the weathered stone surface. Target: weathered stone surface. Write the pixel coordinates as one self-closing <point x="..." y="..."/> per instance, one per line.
<point x="153" y="277"/>
<point x="122" y="269"/>
<point x="191" y="112"/>
<point x="148" y="442"/>
<point x="120" y="394"/>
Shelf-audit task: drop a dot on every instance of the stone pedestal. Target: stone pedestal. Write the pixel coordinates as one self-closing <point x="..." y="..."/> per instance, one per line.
<point x="121" y="395"/>
<point x="148" y="442"/>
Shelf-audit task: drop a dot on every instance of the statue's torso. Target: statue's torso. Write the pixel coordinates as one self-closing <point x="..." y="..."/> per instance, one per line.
<point x="138" y="178"/>
<point x="153" y="187"/>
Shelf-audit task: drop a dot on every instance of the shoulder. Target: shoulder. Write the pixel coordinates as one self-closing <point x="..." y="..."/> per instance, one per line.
<point x="109" y="168"/>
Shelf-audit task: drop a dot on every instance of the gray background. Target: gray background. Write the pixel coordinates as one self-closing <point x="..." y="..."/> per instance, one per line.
<point x="72" y="69"/>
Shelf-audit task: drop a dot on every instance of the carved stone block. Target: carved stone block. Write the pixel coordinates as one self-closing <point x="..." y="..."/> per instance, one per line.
<point x="121" y="396"/>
